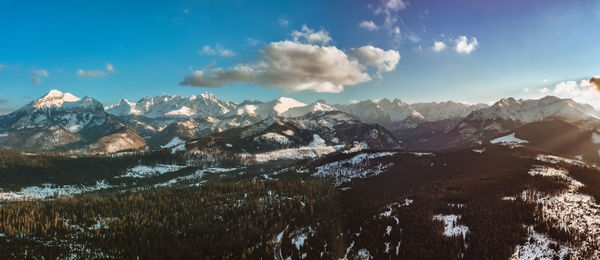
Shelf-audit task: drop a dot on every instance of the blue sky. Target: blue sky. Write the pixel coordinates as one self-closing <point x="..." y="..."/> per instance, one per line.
<point x="521" y="48"/>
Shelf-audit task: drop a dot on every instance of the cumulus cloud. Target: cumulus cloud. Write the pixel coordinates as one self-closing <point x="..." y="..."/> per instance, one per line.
<point x="292" y="66"/>
<point x="91" y="73"/>
<point x="383" y="60"/>
<point x="583" y="91"/>
<point x="218" y="50"/>
<point x="37" y="75"/>
<point x="110" y="68"/>
<point x="368" y="25"/>
<point x="464" y="46"/>
<point x="311" y="36"/>
<point x="438" y="46"/>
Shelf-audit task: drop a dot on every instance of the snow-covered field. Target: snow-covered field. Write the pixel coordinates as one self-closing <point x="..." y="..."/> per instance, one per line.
<point x="556" y="159"/>
<point x="357" y="167"/>
<point x="196" y="176"/>
<point x="540" y="246"/>
<point x="175" y="144"/>
<point x="508" y="139"/>
<point x="569" y="210"/>
<point x="49" y="190"/>
<point x="315" y="149"/>
<point x="143" y="171"/>
<point x="273" y="138"/>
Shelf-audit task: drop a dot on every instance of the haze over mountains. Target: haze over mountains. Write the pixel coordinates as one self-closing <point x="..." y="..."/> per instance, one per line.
<point x="62" y="121"/>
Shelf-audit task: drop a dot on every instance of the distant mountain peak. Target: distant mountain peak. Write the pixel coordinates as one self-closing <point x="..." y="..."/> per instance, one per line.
<point x="54" y="98"/>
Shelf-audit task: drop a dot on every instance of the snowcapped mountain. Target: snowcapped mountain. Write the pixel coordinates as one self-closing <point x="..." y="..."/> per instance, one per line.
<point x="281" y="138"/>
<point x="58" y="121"/>
<point x="161" y="119"/>
<point x="266" y="109"/>
<point x="63" y="121"/>
<point x="395" y="114"/>
<point x="503" y="117"/>
<point x="532" y="110"/>
<point x="434" y="111"/>
<point x="202" y="105"/>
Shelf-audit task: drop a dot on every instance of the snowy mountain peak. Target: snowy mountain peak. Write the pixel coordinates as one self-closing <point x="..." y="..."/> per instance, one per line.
<point x="284" y="104"/>
<point x="209" y="96"/>
<point x="54" y="98"/>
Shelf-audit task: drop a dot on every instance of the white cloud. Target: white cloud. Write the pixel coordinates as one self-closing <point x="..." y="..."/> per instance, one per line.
<point x="394" y="5"/>
<point x="438" y="46"/>
<point x="583" y="91"/>
<point x="463" y="45"/>
<point x="218" y="50"/>
<point x="309" y="35"/>
<point x="292" y="66"/>
<point x="110" y="68"/>
<point x="368" y="25"/>
<point x="91" y="73"/>
<point x="383" y="60"/>
<point x="37" y="75"/>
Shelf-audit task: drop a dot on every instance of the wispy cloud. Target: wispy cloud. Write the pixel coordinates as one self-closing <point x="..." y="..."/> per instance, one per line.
<point x="96" y="73"/>
<point x="37" y="75"/>
<point x="283" y="21"/>
<point x="311" y="36"/>
<point x="91" y="73"/>
<point x="217" y="50"/>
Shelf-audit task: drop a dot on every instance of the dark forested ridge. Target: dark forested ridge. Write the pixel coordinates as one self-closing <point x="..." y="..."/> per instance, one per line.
<point x="261" y="212"/>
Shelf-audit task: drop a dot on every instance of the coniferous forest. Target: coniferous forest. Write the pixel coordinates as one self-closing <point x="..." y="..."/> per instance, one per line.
<point x="281" y="212"/>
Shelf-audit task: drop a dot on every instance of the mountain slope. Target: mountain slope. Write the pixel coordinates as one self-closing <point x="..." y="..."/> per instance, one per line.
<point x="58" y="121"/>
<point x="310" y="136"/>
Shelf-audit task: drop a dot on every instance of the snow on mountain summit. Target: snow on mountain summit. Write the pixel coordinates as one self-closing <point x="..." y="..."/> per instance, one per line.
<point x="532" y="110"/>
<point x="54" y="98"/>
<point x="205" y="104"/>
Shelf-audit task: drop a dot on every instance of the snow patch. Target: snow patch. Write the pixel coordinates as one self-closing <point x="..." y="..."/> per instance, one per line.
<point x="49" y="190"/>
<point x="451" y="226"/>
<point x="508" y="139"/>
<point x="358" y="166"/>
<point x="143" y="171"/>
<point x="540" y="246"/>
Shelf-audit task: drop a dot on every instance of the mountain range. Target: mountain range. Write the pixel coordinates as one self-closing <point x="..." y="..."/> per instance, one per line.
<point x="64" y="122"/>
